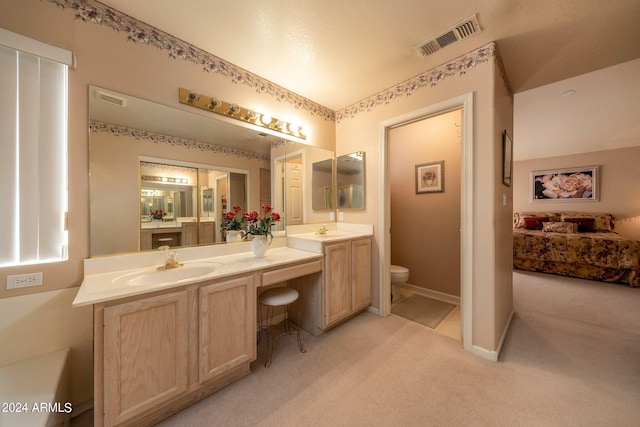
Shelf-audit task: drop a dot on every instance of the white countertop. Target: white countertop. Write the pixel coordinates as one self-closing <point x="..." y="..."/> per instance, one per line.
<point x="100" y="287"/>
<point x="314" y="243"/>
<point x="107" y="278"/>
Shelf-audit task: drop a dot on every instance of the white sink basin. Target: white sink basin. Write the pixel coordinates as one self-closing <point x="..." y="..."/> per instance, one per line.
<point x="154" y="276"/>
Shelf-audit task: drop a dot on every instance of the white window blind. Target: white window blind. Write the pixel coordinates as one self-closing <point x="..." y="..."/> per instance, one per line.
<point x="33" y="158"/>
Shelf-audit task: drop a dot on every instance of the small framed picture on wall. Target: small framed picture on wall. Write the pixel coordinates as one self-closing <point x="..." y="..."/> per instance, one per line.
<point x="430" y="177"/>
<point x="507" y="158"/>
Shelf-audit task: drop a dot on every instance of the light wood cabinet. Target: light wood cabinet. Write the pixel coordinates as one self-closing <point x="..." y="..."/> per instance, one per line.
<point x="347" y="279"/>
<point x="360" y="274"/>
<point x="206" y="232"/>
<point x="337" y="282"/>
<point x="155" y="355"/>
<point x="145" y="355"/>
<point x="227" y="327"/>
<point x="189" y="236"/>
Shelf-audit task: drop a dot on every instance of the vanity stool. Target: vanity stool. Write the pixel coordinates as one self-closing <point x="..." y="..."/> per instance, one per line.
<point x="271" y="299"/>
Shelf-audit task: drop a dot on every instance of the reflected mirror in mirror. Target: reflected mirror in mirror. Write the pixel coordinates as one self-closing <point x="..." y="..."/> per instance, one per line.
<point x="322" y="185"/>
<point x="126" y="130"/>
<point x="350" y="172"/>
<point x="293" y="180"/>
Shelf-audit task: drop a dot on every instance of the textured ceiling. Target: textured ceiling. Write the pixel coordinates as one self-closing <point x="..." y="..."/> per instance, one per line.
<point x="337" y="52"/>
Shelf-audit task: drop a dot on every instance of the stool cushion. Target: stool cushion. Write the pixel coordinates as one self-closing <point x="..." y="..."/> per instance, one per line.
<point x="278" y="296"/>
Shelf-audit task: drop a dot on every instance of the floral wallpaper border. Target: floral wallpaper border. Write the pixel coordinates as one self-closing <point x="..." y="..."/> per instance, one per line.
<point x="168" y="168"/>
<point x="139" y="32"/>
<point x="157" y="138"/>
<point x="429" y="78"/>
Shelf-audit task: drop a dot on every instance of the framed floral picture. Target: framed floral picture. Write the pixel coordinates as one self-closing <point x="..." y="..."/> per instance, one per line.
<point x="430" y="177"/>
<point x="568" y="184"/>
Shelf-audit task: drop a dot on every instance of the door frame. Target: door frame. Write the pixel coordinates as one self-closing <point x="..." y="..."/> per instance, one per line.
<point x="464" y="102"/>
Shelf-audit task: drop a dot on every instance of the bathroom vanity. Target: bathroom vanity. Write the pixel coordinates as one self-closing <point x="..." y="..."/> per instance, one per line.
<point x="165" y="339"/>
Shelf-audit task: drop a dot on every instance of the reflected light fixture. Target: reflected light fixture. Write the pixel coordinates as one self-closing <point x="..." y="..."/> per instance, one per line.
<point x="165" y="179"/>
<point x="237" y="112"/>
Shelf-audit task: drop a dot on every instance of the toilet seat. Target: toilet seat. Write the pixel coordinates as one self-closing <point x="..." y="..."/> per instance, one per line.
<point x="397" y="269"/>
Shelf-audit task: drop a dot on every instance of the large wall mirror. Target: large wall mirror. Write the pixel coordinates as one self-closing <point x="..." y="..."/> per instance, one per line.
<point x="350" y="172"/>
<point x="163" y="176"/>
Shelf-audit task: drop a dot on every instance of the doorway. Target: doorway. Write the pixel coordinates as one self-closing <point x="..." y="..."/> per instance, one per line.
<point x="424" y="174"/>
<point x="465" y="103"/>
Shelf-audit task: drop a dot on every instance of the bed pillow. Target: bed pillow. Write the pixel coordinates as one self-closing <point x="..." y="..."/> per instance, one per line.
<point x="519" y="217"/>
<point x="534" y="222"/>
<point x="585" y="225"/>
<point x="560" y="227"/>
<point x="602" y="221"/>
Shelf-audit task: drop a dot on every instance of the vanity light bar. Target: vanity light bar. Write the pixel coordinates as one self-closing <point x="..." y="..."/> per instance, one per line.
<point x="234" y="111"/>
<point x="168" y="180"/>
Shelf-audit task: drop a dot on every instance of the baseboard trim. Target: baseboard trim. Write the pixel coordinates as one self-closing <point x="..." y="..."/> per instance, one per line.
<point x="504" y="332"/>
<point x="374" y="310"/>
<point x="432" y="294"/>
<point x="81" y="408"/>
<point x="494" y="355"/>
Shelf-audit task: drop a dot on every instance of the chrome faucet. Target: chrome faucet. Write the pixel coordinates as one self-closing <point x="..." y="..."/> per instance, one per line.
<point x="170" y="262"/>
<point x="322" y="231"/>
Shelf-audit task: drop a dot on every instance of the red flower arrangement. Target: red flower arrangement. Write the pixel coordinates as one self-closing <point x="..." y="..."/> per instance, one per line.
<point x="260" y="223"/>
<point x="158" y="214"/>
<point x="232" y="220"/>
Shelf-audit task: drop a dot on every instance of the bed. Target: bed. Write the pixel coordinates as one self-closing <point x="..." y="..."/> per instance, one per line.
<point x="577" y="244"/>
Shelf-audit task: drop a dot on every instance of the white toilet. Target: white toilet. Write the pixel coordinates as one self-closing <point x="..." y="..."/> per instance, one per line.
<point x="399" y="276"/>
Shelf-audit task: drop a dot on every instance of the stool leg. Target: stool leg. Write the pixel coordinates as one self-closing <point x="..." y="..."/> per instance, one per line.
<point x="302" y="350"/>
<point x="260" y="324"/>
<point x="269" y="333"/>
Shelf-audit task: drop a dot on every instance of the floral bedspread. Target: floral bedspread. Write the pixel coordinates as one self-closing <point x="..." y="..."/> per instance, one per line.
<point x="602" y="256"/>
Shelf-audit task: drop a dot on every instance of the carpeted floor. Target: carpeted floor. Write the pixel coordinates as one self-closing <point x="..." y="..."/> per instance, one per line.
<point x="426" y="311"/>
<point x="571" y="358"/>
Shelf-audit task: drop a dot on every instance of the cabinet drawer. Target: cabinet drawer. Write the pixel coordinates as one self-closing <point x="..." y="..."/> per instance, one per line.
<point x="165" y="239"/>
<point x="284" y="274"/>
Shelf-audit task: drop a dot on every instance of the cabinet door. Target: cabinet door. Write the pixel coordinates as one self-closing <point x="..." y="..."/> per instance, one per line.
<point x="361" y="273"/>
<point x="189" y="234"/>
<point x="227" y="326"/>
<point x="337" y="298"/>
<point x="206" y="232"/>
<point x="145" y="355"/>
<point x="145" y="240"/>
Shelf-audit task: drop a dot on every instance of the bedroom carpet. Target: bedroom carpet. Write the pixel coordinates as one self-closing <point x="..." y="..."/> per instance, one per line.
<point x="426" y="311"/>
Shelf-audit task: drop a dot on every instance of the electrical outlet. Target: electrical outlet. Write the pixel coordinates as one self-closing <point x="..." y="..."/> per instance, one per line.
<point x="341" y="216"/>
<point x="24" y="280"/>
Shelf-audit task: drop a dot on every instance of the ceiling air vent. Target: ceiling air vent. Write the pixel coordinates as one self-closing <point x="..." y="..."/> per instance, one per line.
<point x="460" y="31"/>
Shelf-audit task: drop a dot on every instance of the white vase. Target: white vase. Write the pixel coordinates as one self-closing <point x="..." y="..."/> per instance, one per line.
<point x="234" y="236"/>
<point x="259" y="245"/>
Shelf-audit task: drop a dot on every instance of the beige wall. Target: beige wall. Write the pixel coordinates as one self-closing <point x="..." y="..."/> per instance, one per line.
<point x="491" y="287"/>
<point x="619" y="186"/>
<point x="503" y="208"/>
<point x="425" y="235"/>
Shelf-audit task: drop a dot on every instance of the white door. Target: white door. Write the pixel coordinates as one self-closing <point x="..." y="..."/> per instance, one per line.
<point x="293" y="193"/>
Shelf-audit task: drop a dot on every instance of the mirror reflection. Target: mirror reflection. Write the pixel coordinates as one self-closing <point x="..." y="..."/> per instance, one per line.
<point x="322" y="185"/>
<point x="139" y="150"/>
<point x="350" y="181"/>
